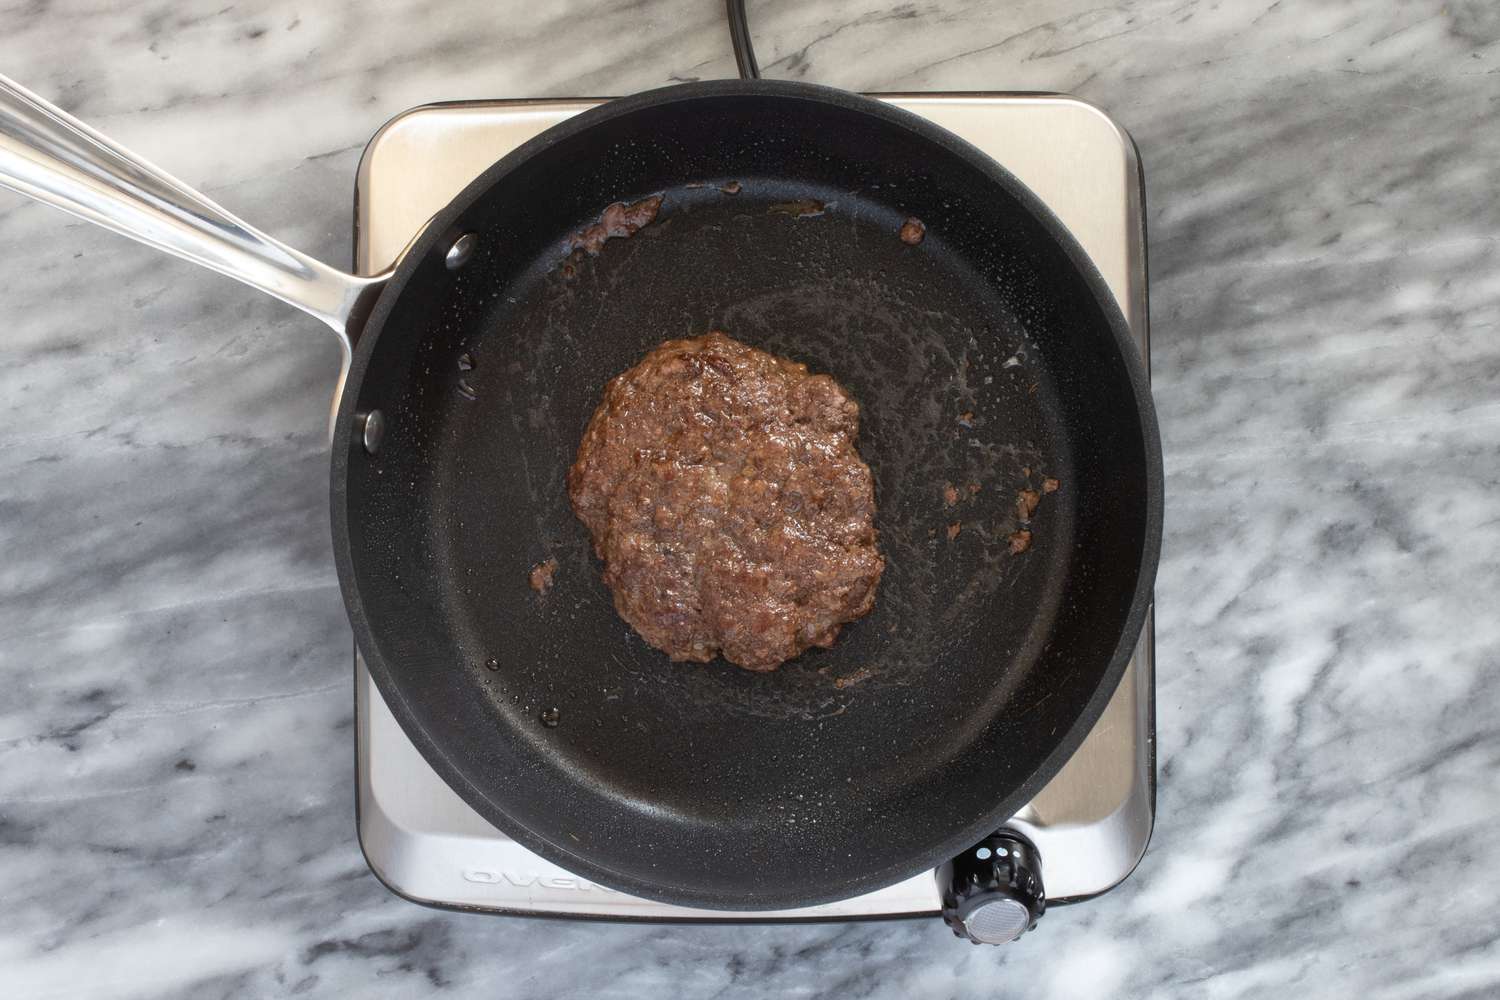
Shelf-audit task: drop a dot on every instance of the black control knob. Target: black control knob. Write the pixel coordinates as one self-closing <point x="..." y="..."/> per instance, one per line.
<point x="992" y="893"/>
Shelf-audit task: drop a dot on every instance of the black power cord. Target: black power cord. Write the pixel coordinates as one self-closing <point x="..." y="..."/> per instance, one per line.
<point x="739" y="34"/>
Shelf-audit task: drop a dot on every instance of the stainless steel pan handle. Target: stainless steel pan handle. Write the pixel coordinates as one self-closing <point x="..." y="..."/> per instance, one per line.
<point x="49" y="155"/>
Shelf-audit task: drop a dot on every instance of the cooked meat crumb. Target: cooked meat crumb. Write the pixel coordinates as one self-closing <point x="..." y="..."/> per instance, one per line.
<point x="618" y="221"/>
<point x="1050" y="485"/>
<point x="912" y="231"/>
<point x="802" y="208"/>
<point x="954" y="529"/>
<point x="1026" y="501"/>
<point x="849" y="680"/>
<point x="1020" y="541"/>
<point x="541" y="575"/>
<point x="950" y="494"/>
<point x="723" y="491"/>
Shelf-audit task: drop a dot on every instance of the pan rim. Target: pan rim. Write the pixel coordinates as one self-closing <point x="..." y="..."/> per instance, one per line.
<point x="828" y="890"/>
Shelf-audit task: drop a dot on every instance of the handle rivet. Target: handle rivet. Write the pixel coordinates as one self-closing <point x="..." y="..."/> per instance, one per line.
<point x="459" y="253"/>
<point x="371" y="427"/>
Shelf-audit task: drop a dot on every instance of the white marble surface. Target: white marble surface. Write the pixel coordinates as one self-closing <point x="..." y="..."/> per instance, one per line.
<point x="176" y="804"/>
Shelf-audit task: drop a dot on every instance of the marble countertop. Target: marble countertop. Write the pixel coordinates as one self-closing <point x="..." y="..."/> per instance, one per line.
<point x="176" y="803"/>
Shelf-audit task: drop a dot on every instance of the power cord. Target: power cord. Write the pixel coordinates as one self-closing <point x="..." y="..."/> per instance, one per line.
<point x="739" y="35"/>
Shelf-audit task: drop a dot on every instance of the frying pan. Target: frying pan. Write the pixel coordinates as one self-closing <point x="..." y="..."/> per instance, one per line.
<point x="990" y="356"/>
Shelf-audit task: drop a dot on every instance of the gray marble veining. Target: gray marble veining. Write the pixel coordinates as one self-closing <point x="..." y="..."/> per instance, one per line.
<point x="176" y="814"/>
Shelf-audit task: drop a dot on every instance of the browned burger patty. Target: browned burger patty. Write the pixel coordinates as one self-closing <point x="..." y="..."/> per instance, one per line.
<point x="723" y="491"/>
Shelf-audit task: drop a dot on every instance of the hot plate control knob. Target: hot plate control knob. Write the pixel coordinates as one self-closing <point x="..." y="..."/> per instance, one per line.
<point x="992" y="893"/>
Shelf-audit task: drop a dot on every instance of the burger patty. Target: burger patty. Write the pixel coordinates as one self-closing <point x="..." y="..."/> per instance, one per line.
<point x="724" y="494"/>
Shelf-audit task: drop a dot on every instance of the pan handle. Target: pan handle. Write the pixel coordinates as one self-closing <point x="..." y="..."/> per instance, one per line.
<point x="47" y="154"/>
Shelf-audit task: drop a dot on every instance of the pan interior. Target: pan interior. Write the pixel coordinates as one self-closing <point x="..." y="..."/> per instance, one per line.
<point x="981" y="358"/>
